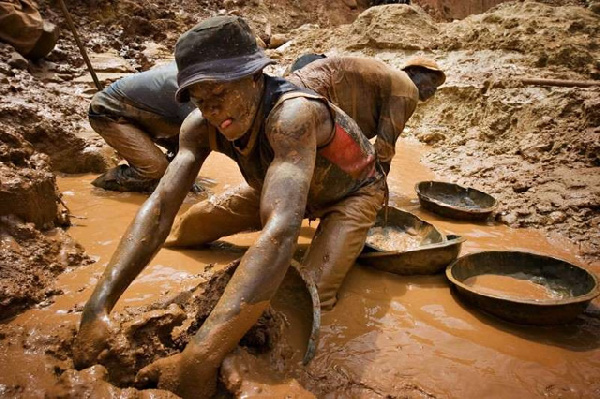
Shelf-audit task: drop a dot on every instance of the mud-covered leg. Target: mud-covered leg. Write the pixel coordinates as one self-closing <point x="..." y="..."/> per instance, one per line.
<point x="134" y="145"/>
<point x="339" y="239"/>
<point x="231" y="212"/>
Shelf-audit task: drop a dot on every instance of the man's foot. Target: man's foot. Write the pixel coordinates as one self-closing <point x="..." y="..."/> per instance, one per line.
<point x="124" y="178"/>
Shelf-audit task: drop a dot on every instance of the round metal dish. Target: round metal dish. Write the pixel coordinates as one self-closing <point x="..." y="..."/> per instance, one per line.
<point x="572" y="287"/>
<point x="429" y="253"/>
<point x="454" y="201"/>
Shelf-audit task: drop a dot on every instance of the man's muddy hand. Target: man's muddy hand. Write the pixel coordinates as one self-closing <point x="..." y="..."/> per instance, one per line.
<point x="186" y="375"/>
<point x="91" y="341"/>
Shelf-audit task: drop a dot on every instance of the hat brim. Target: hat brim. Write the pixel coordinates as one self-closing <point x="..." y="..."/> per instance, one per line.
<point x="225" y="70"/>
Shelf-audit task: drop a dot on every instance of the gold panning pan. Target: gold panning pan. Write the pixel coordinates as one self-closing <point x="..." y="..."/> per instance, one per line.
<point x="523" y="287"/>
<point x="407" y="245"/>
<point x="454" y="201"/>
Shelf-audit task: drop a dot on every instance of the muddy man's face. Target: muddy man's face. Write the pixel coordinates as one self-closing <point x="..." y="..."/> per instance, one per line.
<point x="229" y="106"/>
<point x="427" y="82"/>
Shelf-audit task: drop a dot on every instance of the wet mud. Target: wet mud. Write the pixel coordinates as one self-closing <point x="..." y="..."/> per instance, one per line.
<point x="388" y="335"/>
<point x="508" y="286"/>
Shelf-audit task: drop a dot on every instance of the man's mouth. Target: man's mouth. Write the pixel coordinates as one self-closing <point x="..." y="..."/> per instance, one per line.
<point x="225" y="124"/>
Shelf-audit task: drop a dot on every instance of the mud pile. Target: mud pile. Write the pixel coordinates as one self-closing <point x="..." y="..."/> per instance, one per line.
<point x="29" y="263"/>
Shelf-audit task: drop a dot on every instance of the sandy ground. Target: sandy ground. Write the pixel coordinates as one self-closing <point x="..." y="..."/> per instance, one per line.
<point x="536" y="149"/>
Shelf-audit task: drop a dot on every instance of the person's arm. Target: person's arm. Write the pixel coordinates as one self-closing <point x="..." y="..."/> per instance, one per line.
<point x="142" y="240"/>
<point x="292" y="132"/>
<point x="392" y="120"/>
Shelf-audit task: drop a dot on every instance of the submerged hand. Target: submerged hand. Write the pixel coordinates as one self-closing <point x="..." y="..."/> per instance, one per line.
<point x="91" y="341"/>
<point x="187" y="375"/>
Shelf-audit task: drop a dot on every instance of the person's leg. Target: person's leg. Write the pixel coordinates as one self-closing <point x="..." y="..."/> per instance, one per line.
<point x="134" y="145"/>
<point x="339" y="239"/>
<point x="231" y="212"/>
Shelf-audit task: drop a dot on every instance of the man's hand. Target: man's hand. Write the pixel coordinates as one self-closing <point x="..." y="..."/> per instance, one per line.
<point x="91" y="341"/>
<point x="187" y="374"/>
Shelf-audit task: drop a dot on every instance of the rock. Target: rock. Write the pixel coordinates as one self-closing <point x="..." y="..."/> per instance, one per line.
<point x="558" y="216"/>
<point x="260" y="42"/>
<point x="17" y="61"/>
<point x="431" y="137"/>
<point x="110" y="63"/>
<point x="277" y="40"/>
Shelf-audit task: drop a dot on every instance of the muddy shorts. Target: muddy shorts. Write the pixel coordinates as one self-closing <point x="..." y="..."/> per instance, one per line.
<point x="134" y="133"/>
<point x="338" y="240"/>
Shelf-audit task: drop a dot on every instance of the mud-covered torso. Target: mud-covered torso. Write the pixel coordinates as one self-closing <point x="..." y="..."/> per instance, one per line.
<point x="344" y="163"/>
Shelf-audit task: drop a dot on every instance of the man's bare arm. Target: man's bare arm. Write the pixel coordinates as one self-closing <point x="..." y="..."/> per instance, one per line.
<point x="143" y="238"/>
<point x="394" y="115"/>
<point x="292" y="131"/>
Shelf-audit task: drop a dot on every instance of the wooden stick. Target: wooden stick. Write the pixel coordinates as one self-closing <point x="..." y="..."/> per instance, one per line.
<point x="79" y="44"/>
<point x="559" y="82"/>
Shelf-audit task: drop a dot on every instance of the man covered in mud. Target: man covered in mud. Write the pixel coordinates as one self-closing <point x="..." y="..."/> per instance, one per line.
<point x="300" y="156"/>
<point x="135" y="115"/>
<point x="378" y="97"/>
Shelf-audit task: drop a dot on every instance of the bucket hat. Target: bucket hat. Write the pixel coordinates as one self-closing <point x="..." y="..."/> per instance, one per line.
<point x="220" y="48"/>
<point x="426" y="63"/>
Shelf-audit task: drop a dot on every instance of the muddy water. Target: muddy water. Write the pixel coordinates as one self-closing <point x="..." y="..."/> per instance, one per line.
<point x="386" y="332"/>
<point x="507" y="286"/>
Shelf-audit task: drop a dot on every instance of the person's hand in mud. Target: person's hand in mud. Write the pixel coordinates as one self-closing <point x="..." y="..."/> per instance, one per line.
<point x="91" y="340"/>
<point x="185" y="374"/>
<point x="143" y="238"/>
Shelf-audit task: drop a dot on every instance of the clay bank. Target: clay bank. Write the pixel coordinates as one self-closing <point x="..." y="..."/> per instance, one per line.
<point x="533" y="147"/>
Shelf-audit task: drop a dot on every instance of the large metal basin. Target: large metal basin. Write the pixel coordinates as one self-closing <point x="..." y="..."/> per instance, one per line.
<point x="570" y="288"/>
<point x="430" y="251"/>
<point x="454" y="201"/>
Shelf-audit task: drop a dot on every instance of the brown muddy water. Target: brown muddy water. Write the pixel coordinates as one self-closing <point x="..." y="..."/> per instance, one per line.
<point x="386" y="332"/>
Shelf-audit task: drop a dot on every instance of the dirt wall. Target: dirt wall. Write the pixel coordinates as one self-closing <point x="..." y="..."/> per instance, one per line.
<point x="535" y="148"/>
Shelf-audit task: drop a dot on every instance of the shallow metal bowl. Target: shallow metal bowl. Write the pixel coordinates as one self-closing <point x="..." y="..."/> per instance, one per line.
<point x="571" y="287"/>
<point x="432" y="254"/>
<point x="454" y="201"/>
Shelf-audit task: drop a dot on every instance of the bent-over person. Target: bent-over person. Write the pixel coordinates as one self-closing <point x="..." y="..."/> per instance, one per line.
<point x="137" y="116"/>
<point x="301" y="157"/>
<point x="378" y="97"/>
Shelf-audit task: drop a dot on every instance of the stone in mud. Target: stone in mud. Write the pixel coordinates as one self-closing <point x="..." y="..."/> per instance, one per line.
<point x="18" y="61"/>
<point x="277" y="40"/>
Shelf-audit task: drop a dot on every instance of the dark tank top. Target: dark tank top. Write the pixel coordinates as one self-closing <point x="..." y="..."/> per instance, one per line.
<point x="344" y="164"/>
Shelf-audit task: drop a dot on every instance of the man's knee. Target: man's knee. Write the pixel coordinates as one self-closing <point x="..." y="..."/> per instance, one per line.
<point x="98" y="118"/>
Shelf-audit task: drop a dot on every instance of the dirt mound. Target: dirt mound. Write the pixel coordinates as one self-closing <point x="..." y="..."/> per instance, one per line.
<point x="29" y="263"/>
<point x="377" y="28"/>
<point x="563" y="39"/>
<point x="37" y="109"/>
